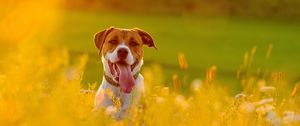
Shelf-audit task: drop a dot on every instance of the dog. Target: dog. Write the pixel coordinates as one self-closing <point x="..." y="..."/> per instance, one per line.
<point x="122" y="53"/>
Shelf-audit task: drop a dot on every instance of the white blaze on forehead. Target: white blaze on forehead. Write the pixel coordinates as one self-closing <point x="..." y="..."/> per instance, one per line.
<point x="113" y="57"/>
<point x="124" y="29"/>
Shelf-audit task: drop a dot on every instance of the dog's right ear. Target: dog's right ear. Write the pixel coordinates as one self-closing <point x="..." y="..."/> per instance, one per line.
<point x="100" y="38"/>
<point x="146" y="38"/>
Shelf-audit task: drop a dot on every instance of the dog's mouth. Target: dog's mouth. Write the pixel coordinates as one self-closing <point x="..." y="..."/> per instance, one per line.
<point x="122" y="73"/>
<point x="114" y="69"/>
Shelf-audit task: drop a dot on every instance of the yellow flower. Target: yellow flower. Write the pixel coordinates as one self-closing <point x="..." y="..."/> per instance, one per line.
<point x="182" y="61"/>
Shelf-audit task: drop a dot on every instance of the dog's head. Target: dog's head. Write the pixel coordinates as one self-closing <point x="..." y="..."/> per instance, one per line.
<point x="122" y="53"/>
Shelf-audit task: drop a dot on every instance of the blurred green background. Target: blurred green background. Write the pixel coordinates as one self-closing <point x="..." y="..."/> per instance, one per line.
<point x="209" y="33"/>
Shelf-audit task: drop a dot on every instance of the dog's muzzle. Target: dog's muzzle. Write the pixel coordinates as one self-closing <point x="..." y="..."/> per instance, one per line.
<point x="122" y="53"/>
<point x="122" y="74"/>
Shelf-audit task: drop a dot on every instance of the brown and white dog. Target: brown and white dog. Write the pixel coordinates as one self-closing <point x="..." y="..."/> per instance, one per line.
<point x="122" y="58"/>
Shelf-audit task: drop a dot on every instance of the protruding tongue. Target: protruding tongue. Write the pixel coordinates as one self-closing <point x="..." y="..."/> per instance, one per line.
<point x="126" y="79"/>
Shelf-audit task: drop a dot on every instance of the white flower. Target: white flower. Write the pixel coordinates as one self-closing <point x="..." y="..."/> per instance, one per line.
<point x="272" y="117"/>
<point x="180" y="101"/>
<point x="159" y="99"/>
<point x="264" y="109"/>
<point x="247" y="107"/>
<point x="266" y="89"/>
<point x="72" y="74"/>
<point x="196" y="84"/>
<point x="291" y="117"/>
<point x="289" y="112"/>
<point x="239" y="96"/>
<point x="264" y="101"/>
<point x="165" y="91"/>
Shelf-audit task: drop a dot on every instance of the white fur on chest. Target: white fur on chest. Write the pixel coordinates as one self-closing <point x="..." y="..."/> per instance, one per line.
<point x="105" y="100"/>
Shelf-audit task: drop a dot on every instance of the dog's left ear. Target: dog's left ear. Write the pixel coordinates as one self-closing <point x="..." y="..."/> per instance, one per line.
<point x="100" y="38"/>
<point x="146" y="38"/>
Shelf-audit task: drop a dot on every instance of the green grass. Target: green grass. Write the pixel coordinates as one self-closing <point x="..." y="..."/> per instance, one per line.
<point x="204" y="41"/>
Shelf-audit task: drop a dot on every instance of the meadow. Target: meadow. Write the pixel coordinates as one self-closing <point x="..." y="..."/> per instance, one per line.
<point x="44" y="87"/>
<point x="206" y="42"/>
<point x="207" y="70"/>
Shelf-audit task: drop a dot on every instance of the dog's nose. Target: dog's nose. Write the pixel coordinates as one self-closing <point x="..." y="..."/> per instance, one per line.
<point x="122" y="53"/>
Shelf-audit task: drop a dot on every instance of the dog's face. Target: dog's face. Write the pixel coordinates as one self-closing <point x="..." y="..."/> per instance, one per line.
<point x="122" y="53"/>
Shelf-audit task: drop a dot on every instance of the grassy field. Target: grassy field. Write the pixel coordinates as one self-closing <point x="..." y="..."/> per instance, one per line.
<point x="205" y="42"/>
<point x="49" y="69"/>
<point x="44" y="87"/>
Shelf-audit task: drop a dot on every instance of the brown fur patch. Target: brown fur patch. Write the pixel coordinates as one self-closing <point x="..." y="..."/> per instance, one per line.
<point x="131" y="38"/>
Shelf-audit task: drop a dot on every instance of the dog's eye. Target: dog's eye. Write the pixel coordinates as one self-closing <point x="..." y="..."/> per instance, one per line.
<point x="113" y="42"/>
<point x="133" y="43"/>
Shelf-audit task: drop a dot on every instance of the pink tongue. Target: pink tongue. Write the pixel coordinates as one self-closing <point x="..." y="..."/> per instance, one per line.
<point x="126" y="79"/>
